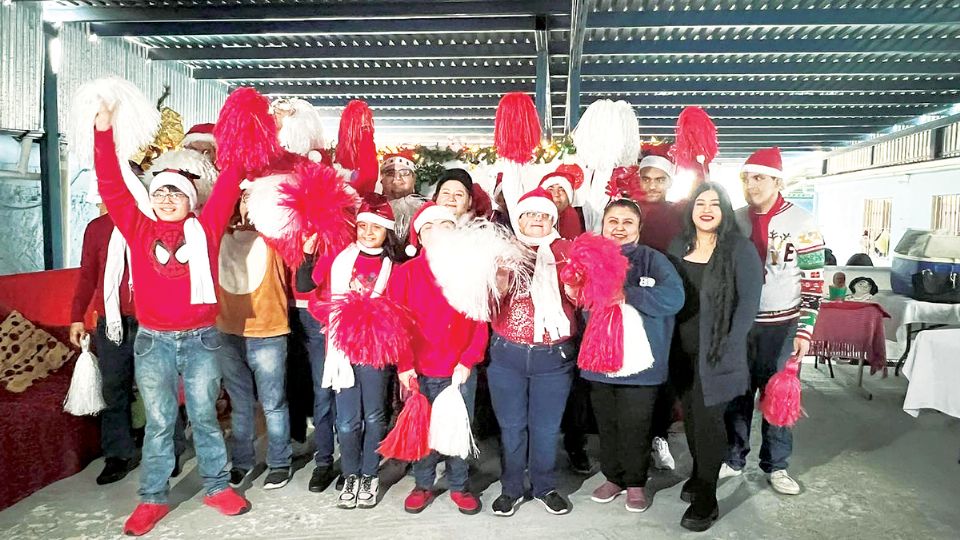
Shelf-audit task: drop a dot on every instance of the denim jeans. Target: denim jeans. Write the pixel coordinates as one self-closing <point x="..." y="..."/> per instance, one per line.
<point x="529" y="387"/>
<point x="425" y="470"/>
<point x="768" y="349"/>
<point x="256" y="367"/>
<point x="323" y="398"/>
<point x="159" y="357"/>
<point x="361" y="422"/>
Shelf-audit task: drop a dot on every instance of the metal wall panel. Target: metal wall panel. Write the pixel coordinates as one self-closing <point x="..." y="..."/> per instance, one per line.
<point x="21" y="66"/>
<point x="84" y="60"/>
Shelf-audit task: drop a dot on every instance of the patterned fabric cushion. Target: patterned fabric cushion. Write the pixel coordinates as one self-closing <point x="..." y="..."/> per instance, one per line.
<point x="27" y="353"/>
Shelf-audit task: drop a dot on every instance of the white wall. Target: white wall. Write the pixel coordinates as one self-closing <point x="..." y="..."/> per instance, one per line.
<point x="840" y="200"/>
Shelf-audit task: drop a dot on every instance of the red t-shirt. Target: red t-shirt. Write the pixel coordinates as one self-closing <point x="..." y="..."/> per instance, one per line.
<point x="662" y="222"/>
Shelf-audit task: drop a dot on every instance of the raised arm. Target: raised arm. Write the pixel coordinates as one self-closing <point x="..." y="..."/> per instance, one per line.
<point x="368" y="171"/>
<point x="119" y="201"/>
<point x="219" y="209"/>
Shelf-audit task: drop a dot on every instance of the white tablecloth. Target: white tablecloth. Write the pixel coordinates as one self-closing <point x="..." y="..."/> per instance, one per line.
<point x="904" y="310"/>
<point x="933" y="368"/>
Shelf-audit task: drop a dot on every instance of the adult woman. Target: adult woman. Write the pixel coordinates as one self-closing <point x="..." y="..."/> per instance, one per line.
<point x="624" y="405"/>
<point x="364" y="267"/>
<point x="532" y="358"/>
<point x="723" y="278"/>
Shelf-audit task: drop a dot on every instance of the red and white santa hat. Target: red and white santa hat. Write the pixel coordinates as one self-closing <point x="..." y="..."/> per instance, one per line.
<point x="557" y="178"/>
<point x="199" y="133"/>
<point x="191" y="161"/>
<point x="402" y="159"/>
<point x="182" y="180"/>
<point x="376" y="209"/>
<point x="430" y="212"/>
<point x="657" y="156"/>
<point x="537" y="200"/>
<point x="765" y="161"/>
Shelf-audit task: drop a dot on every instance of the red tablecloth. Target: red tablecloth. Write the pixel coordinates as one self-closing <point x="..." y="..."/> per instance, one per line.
<point x="851" y="330"/>
<point x="40" y="443"/>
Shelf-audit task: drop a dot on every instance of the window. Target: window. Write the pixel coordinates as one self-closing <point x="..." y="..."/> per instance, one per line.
<point x="946" y="213"/>
<point x="876" y="227"/>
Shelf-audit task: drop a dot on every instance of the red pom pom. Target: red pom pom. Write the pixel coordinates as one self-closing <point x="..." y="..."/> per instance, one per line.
<point x="482" y="205"/>
<point x="516" y="128"/>
<point x="601" y="349"/>
<point x="246" y="132"/>
<point x="625" y="182"/>
<point x="601" y="285"/>
<point x="575" y="172"/>
<point x="319" y="204"/>
<point x="780" y="401"/>
<point x="409" y="440"/>
<point x="696" y="140"/>
<point x="655" y="149"/>
<point x="370" y="331"/>
<point x="355" y="120"/>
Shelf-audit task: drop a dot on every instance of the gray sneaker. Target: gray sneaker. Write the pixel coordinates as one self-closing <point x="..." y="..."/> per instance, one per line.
<point x="348" y="495"/>
<point x="367" y="496"/>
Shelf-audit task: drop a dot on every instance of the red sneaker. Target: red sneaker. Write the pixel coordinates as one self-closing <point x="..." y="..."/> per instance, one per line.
<point x="417" y="500"/>
<point x="466" y="502"/>
<point x="144" y="518"/>
<point x="228" y="502"/>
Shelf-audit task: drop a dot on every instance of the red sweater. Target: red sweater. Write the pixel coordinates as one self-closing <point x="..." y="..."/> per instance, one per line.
<point x="443" y="337"/>
<point x="162" y="291"/>
<point x="93" y="260"/>
<point x="662" y="222"/>
<point x="515" y="319"/>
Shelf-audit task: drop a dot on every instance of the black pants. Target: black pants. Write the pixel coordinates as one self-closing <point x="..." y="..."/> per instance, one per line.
<point x="578" y="420"/>
<point x="116" y="370"/>
<point x="707" y="439"/>
<point x="663" y="411"/>
<point x="299" y="380"/>
<point x="624" y="415"/>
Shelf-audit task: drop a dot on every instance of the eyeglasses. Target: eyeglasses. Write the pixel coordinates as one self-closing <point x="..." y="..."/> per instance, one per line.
<point x="172" y="196"/>
<point x="538" y="215"/>
<point x="402" y="173"/>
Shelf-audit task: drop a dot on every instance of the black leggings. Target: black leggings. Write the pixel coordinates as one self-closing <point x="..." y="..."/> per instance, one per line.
<point x="624" y="415"/>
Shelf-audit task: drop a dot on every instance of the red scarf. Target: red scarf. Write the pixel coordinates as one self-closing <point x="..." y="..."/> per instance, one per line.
<point x="760" y="235"/>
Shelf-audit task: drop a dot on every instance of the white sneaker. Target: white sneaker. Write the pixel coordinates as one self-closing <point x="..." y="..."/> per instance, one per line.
<point x="348" y="495"/>
<point x="783" y="484"/>
<point x="369" y="487"/>
<point x="726" y="471"/>
<point x="661" y="455"/>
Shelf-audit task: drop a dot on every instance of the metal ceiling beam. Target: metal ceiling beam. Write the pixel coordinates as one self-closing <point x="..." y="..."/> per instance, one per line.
<point x="881" y="66"/>
<point x="351" y="10"/>
<point x="402" y="52"/>
<point x="772" y="46"/>
<point x="578" y="26"/>
<point x="444" y="88"/>
<point x="856" y="85"/>
<point x="836" y="100"/>
<point x="542" y="95"/>
<point x="393" y="26"/>
<point x="774" y="17"/>
<point x="367" y="73"/>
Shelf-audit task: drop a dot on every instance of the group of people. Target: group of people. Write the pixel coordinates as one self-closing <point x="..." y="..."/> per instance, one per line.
<point x="195" y="300"/>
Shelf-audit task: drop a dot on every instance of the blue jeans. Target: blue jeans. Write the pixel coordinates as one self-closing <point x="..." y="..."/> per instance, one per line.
<point x="159" y="356"/>
<point x="768" y="349"/>
<point x="323" y="398"/>
<point x="361" y="422"/>
<point x="425" y="470"/>
<point x="256" y="367"/>
<point x="529" y="386"/>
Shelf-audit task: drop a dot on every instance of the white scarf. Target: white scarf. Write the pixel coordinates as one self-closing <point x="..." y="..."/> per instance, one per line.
<point x="337" y="371"/>
<point x="548" y="314"/>
<point x="202" y="289"/>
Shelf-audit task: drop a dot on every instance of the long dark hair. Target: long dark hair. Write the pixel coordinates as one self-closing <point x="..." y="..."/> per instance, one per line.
<point x="722" y="294"/>
<point x="393" y="247"/>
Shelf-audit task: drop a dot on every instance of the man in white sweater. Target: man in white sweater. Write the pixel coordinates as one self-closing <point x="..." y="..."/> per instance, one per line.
<point x="790" y="246"/>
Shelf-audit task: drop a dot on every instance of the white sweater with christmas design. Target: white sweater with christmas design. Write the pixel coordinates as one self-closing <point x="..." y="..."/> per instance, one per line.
<point x="793" y="269"/>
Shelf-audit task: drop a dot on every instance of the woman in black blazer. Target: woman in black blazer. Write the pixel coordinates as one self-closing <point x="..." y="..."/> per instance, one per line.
<point x="722" y="278"/>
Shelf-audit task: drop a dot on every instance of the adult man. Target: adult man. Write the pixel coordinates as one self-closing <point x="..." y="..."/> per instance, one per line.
<point x="661" y="219"/>
<point x="200" y="138"/>
<point x="560" y="187"/>
<point x="398" y="180"/>
<point x="791" y="249"/>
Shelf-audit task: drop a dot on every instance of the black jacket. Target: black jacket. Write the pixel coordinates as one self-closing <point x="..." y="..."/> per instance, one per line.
<point x="730" y="376"/>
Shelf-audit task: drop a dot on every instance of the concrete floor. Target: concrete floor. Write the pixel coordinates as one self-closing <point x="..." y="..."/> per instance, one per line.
<point x="868" y="471"/>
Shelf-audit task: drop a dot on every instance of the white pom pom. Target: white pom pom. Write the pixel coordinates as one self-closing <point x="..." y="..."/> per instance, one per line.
<point x="85" y="395"/>
<point x="135" y="119"/>
<point x="302" y="131"/>
<point x="637" y="355"/>
<point x="608" y="135"/>
<point x="410" y="251"/>
<point x="264" y="209"/>
<point x="450" y="432"/>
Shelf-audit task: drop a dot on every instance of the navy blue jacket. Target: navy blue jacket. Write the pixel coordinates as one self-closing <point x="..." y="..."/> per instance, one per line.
<point x="657" y="306"/>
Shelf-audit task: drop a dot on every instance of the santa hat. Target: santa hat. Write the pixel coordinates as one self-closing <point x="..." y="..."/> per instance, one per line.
<point x="537" y="200"/>
<point x="301" y="131"/>
<point x="199" y="133"/>
<point x="657" y="156"/>
<point x="376" y="209"/>
<point x="765" y="161"/>
<point x="428" y="213"/>
<point x="557" y="178"/>
<point x="191" y="161"/>
<point x="402" y="159"/>
<point x="182" y="180"/>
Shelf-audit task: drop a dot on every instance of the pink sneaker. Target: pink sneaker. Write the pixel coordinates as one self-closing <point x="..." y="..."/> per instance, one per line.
<point x="607" y="492"/>
<point x="637" y="500"/>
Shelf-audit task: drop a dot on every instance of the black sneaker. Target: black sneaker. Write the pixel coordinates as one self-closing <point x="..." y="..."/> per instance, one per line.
<point x="321" y="478"/>
<point x="115" y="469"/>
<point x="554" y="503"/>
<point x="687" y="492"/>
<point x="579" y="462"/>
<point x="177" y="469"/>
<point x="699" y="520"/>
<point x="505" y="505"/>
<point x="277" y="478"/>
<point x="238" y="475"/>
